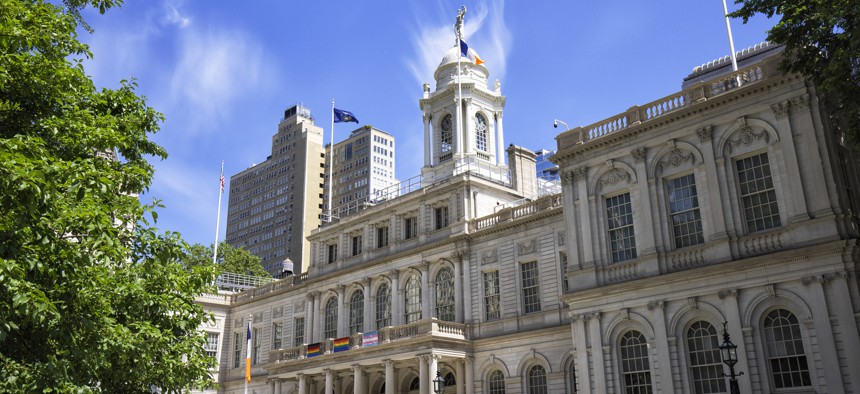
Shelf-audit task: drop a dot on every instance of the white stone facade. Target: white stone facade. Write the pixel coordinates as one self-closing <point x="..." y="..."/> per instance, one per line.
<point x="721" y="203"/>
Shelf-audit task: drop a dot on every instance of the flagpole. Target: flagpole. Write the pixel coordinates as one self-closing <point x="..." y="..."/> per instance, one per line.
<point x="460" y="137"/>
<point x="248" y="355"/>
<point x="331" y="161"/>
<point x="731" y="41"/>
<point x="218" y="220"/>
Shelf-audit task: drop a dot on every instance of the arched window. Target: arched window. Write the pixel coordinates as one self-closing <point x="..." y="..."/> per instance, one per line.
<point x="445" y="294"/>
<point x="480" y="132"/>
<point x="785" y="352"/>
<point x="706" y="366"/>
<point x="413" y="299"/>
<point x="571" y="377"/>
<point x="537" y="380"/>
<point x="446" y="136"/>
<point x="330" y="327"/>
<point x="635" y="370"/>
<point x="383" y="306"/>
<point x="497" y="382"/>
<point x="450" y="381"/>
<point x="415" y="385"/>
<point x="356" y="312"/>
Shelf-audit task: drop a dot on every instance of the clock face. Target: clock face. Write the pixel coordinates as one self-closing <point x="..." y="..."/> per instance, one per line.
<point x="446" y="123"/>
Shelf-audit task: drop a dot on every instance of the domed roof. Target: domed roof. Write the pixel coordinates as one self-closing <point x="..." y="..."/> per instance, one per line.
<point x="452" y="54"/>
<point x="447" y="70"/>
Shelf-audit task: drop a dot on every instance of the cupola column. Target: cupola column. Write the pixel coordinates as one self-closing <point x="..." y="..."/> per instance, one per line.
<point x="427" y="145"/>
<point x="500" y="140"/>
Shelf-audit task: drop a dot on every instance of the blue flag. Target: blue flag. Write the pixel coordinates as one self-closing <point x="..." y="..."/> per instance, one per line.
<point x="341" y="116"/>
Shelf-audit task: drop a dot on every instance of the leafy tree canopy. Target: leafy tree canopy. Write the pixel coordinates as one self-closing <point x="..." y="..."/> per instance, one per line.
<point x="229" y="259"/>
<point x="822" y="38"/>
<point x="93" y="298"/>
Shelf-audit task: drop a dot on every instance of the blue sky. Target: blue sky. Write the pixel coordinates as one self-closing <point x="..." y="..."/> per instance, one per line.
<point x="222" y="72"/>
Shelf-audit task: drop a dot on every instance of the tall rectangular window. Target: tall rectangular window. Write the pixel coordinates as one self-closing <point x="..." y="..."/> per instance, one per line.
<point x="211" y="346"/>
<point x="299" y="331"/>
<point x="356" y="245"/>
<point x="237" y="350"/>
<point x="441" y="216"/>
<point x="531" y="287"/>
<point x="332" y="253"/>
<point x="381" y="237"/>
<point x="277" y="335"/>
<point x="410" y="227"/>
<point x="684" y="211"/>
<point x="255" y="357"/>
<point x="491" y="295"/>
<point x="758" y="196"/>
<point x="562" y="262"/>
<point x="619" y="216"/>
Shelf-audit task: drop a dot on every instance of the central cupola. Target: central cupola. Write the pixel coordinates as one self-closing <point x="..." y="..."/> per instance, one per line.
<point x="462" y="116"/>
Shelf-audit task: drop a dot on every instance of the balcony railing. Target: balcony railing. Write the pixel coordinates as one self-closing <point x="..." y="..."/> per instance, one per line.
<point x="421" y="329"/>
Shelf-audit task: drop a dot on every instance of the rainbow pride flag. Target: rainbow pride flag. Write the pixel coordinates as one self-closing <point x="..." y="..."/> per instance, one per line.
<point x="341" y="344"/>
<point x="314" y="349"/>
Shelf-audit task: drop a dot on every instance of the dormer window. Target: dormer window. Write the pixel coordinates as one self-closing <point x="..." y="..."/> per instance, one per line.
<point x="447" y="135"/>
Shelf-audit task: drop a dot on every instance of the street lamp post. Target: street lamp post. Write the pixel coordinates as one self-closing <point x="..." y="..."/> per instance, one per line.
<point x="438" y="383"/>
<point x="729" y="352"/>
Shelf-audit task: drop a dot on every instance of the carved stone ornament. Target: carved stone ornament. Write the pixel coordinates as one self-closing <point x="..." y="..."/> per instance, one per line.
<point x="780" y="110"/>
<point x="801" y="102"/>
<point x="527" y="247"/>
<point x="237" y="322"/>
<point x="561" y="236"/>
<point x="638" y="154"/>
<point x="489" y="257"/>
<point x="277" y="311"/>
<point x="567" y="178"/>
<point x="299" y="306"/>
<point x="580" y="173"/>
<point x="705" y="133"/>
<point x="614" y="176"/>
<point x="746" y="136"/>
<point x="258" y="317"/>
<point x="675" y="158"/>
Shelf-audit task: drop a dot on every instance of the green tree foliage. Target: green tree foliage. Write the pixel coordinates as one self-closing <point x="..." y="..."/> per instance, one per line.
<point x="92" y="297"/>
<point x="822" y="38"/>
<point x="230" y="259"/>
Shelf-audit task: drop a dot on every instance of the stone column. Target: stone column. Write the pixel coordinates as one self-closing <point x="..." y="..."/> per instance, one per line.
<point x="460" y="127"/>
<point x="500" y="139"/>
<point x="824" y="332"/>
<point x="356" y="379"/>
<point x="427" y="161"/>
<point x="580" y="346"/>
<point x="341" y="311"/>
<point x="664" y="373"/>
<point x="315" y="325"/>
<point x="425" y="290"/>
<point x="584" y="217"/>
<point x="734" y="320"/>
<point x="396" y="298"/>
<point x="457" y="258"/>
<point x="568" y="195"/>
<point x="368" y="325"/>
<point x="795" y="202"/>
<point x="600" y="375"/>
<point x="303" y="384"/>
<point x="390" y="377"/>
<point x="470" y="375"/>
<point x="272" y="385"/>
<point x="469" y="127"/>
<point x="278" y="386"/>
<point x="816" y="180"/>
<point x="643" y="204"/>
<point x="423" y="373"/>
<point x="845" y="314"/>
<point x="461" y="375"/>
<point x="432" y="371"/>
<point x="329" y="385"/>
<point x="718" y="221"/>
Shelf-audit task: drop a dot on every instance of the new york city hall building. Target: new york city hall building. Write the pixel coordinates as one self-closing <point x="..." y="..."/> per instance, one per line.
<point x="732" y="200"/>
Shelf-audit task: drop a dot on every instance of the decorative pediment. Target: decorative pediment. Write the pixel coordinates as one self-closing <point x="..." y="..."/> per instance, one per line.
<point x="277" y="312"/>
<point x="614" y="176"/>
<point x="527" y="247"/>
<point x="675" y="158"/>
<point x="489" y="257"/>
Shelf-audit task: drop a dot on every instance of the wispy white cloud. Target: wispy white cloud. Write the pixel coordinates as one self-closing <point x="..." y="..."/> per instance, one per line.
<point x="173" y="16"/>
<point x="484" y="29"/>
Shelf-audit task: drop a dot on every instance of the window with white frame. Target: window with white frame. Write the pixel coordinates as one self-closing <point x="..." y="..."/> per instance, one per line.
<point x="255" y="356"/>
<point x="531" y="287"/>
<point x="706" y="367"/>
<point x="383" y="306"/>
<point x="480" y="132"/>
<point x="356" y="312"/>
<point x="237" y="349"/>
<point x="491" y="295"/>
<point x="299" y="331"/>
<point x="785" y="353"/>
<point x="497" y="382"/>
<point x="684" y="211"/>
<point x="356" y="245"/>
<point x="211" y="347"/>
<point x="410" y="227"/>
<point x="447" y="133"/>
<point x="277" y="334"/>
<point x="537" y="380"/>
<point x="619" y="217"/>
<point x="635" y="369"/>
<point x="330" y="323"/>
<point x="381" y="236"/>
<point x="758" y="195"/>
<point x="441" y="217"/>
<point x="445" y="294"/>
<point x="413" y="299"/>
